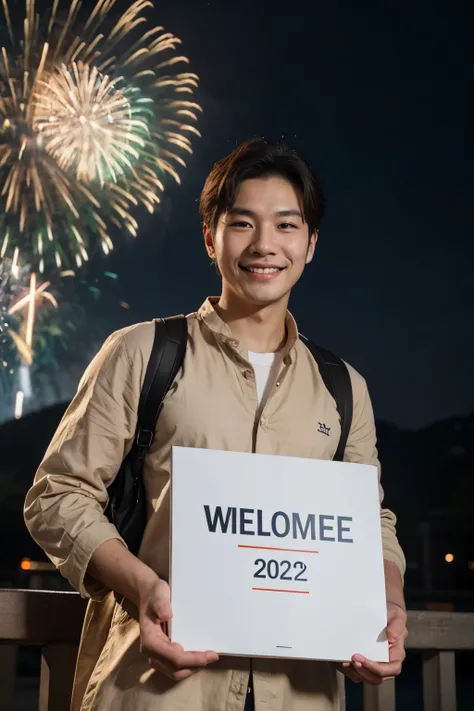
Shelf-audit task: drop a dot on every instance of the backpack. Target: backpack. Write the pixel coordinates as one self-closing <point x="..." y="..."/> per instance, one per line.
<point x="126" y="507"/>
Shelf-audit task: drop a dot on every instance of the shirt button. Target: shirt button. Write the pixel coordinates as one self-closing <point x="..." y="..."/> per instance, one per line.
<point x="263" y="422"/>
<point x="234" y="343"/>
<point x="248" y="374"/>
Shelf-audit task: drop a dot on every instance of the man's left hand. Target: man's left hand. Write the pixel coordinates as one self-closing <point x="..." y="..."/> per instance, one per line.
<point x="368" y="672"/>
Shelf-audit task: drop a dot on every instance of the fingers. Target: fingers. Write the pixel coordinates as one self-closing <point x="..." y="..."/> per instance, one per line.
<point x="374" y="673"/>
<point x="179" y="675"/>
<point x="358" y="674"/>
<point x="368" y="677"/>
<point x="165" y="656"/>
<point x="183" y="667"/>
<point x="376" y="670"/>
<point x="179" y="659"/>
<point x="350" y="672"/>
<point x="171" y="659"/>
<point x="173" y="655"/>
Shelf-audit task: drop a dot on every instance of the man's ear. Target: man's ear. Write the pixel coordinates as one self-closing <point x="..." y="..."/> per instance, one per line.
<point x="312" y="246"/>
<point x="209" y="242"/>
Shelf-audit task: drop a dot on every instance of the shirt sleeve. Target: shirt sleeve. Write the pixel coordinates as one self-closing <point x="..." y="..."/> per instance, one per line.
<point x="64" y="509"/>
<point x="361" y="448"/>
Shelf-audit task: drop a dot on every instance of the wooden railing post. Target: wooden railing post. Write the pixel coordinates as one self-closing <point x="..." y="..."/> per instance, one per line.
<point x="439" y="681"/>
<point x="58" y="662"/>
<point x="52" y="620"/>
<point x="8" y="657"/>
<point x="380" y="698"/>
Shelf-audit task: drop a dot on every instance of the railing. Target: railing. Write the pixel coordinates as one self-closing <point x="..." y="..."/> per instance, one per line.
<point x="438" y="635"/>
<point x="53" y="621"/>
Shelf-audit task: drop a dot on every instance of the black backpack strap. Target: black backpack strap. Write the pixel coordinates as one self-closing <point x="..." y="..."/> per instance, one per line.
<point x="337" y="380"/>
<point x="126" y="507"/>
<point x="169" y="347"/>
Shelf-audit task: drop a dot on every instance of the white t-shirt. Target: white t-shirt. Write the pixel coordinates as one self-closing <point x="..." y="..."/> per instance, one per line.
<point x="266" y="366"/>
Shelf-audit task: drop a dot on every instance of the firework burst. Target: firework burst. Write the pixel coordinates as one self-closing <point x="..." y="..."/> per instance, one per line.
<point x="93" y="116"/>
<point x="42" y="321"/>
<point x="88" y="125"/>
<point x="21" y="293"/>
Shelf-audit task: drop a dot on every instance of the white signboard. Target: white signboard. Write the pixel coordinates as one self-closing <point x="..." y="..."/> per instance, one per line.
<point x="276" y="556"/>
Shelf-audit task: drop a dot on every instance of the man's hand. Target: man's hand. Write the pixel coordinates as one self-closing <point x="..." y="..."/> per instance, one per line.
<point x="368" y="672"/>
<point x="167" y="657"/>
<point x="119" y="570"/>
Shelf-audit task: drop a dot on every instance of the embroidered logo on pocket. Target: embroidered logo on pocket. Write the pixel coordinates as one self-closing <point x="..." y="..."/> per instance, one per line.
<point x="324" y="429"/>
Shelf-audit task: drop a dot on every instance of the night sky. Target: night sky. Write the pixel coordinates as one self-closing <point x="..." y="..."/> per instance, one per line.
<point x="379" y="97"/>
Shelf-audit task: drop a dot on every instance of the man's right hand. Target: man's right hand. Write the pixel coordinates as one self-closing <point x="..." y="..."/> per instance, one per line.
<point x="117" y="569"/>
<point x="164" y="655"/>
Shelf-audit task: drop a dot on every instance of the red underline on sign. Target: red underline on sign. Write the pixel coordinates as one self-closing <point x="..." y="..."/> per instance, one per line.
<point x="297" y="592"/>
<point x="271" y="548"/>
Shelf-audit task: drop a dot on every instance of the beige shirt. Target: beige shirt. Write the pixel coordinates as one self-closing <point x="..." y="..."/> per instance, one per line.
<point x="212" y="404"/>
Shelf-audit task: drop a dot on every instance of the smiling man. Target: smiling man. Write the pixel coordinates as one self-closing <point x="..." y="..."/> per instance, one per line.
<point x="247" y="384"/>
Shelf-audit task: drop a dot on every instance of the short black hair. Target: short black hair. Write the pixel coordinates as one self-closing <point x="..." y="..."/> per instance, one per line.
<point x="257" y="158"/>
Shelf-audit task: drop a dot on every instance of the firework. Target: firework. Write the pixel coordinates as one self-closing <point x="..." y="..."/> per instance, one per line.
<point x="93" y="116"/>
<point x="49" y="329"/>
<point x="21" y="293"/>
<point x="5" y="297"/>
<point x="88" y="125"/>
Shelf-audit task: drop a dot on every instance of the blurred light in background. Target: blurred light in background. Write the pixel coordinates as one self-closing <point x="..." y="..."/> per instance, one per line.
<point x="27" y="564"/>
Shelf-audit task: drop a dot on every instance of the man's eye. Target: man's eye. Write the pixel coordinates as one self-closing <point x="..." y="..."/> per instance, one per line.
<point x="286" y="225"/>
<point x="240" y="224"/>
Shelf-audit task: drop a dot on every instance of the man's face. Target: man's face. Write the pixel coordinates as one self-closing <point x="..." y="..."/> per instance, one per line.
<point x="261" y="244"/>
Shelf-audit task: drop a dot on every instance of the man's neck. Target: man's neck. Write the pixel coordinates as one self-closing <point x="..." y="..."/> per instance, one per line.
<point x="260" y="329"/>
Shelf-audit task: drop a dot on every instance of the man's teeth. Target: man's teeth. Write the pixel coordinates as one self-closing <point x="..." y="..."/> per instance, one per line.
<point x="258" y="270"/>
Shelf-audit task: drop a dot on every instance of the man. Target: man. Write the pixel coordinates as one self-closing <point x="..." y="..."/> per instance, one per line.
<point x="247" y="384"/>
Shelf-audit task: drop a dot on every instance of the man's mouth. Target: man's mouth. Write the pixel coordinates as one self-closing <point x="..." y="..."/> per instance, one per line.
<point x="261" y="270"/>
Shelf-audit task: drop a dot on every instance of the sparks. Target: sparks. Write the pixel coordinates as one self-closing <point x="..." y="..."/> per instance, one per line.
<point x="94" y="116"/>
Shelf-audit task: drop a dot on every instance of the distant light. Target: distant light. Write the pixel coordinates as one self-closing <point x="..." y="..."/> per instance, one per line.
<point x="40" y="566"/>
<point x="449" y="557"/>
<point x="25" y="564"/>
<point x="124" y="305"/>
<point x="19" y="404"/>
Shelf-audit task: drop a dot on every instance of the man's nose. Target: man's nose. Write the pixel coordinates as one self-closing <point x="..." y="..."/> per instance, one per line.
<point x="263" y="241"/>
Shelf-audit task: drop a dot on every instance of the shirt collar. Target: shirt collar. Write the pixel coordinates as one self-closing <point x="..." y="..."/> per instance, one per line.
<point x="209" y="316"/>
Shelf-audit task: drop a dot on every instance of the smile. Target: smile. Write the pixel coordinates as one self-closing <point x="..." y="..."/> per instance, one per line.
<point x="262" y="270"/>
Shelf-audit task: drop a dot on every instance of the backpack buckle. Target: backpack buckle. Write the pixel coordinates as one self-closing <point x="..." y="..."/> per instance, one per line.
<point x="145" y="438"/>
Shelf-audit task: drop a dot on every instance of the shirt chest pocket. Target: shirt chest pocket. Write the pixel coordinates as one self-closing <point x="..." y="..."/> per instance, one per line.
<point x="302" y="427"/>
<point x="204" y="413"/>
